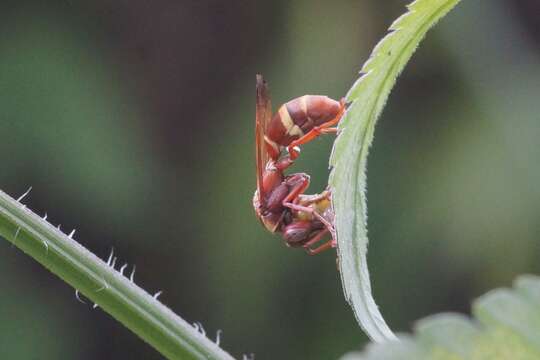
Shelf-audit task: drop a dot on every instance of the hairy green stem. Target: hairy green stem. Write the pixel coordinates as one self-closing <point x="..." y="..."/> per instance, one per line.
<point x="116" y="294"/>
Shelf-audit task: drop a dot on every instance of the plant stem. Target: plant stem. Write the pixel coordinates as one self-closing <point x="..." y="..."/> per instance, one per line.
<point x="114" y="293"/>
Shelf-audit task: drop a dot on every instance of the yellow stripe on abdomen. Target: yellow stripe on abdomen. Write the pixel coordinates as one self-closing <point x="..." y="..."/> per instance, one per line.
<point x="291" y="128"/>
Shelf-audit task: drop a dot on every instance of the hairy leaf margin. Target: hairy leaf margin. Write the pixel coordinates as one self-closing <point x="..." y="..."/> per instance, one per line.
<point x="367" y="98"/>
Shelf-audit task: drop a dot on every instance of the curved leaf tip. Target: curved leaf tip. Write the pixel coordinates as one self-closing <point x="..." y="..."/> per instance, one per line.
<point x="506" y="325"/>
<point x="349" y="155"/>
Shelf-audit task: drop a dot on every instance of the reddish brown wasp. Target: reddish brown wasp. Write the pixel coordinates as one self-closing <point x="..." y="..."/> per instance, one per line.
<point x="279" y="201"/>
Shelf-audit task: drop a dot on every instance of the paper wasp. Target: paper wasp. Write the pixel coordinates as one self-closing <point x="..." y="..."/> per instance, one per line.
<point x="279" y="201"/>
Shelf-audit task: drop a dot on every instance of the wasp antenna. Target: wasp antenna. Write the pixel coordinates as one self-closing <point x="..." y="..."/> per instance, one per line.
<point x="24" y="195"/>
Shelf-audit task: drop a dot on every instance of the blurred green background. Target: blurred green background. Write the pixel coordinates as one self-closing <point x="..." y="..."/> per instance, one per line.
<point x="133" y="122"/>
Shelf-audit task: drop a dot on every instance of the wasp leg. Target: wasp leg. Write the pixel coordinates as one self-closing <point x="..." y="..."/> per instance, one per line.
<point x="284" y="163"/>
<point x="329" y="130"/>
<point x="307" y="200"/>
<point x="319" y="217"/>
<point x="325" y="128"/>
<point x="315" y="239"/>
<point x="330" y="244"/>
<point x="297" y="189"/>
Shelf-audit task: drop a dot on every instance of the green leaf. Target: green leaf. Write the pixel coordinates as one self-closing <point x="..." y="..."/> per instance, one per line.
<point x="101" y="283"/>
<point x="507" y="327"/>
<point x="349" y="156"/>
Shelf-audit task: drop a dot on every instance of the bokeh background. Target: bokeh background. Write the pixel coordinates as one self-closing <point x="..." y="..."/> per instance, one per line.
<point x="133" y="122"/>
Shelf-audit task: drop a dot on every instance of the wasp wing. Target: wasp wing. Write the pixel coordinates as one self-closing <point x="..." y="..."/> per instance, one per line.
<point x="262" y="119"/>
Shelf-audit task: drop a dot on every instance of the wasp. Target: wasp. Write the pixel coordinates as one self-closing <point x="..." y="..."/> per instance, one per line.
<point x="279" y="201"/>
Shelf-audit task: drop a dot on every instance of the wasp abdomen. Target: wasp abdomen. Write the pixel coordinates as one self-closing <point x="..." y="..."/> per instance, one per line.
<point x="309" y="111"/>
<point x="297" y="117"/>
